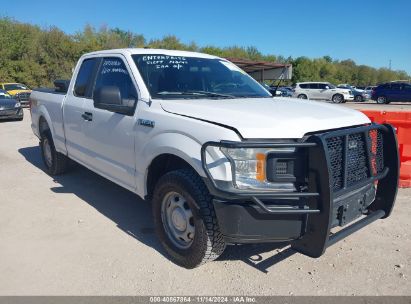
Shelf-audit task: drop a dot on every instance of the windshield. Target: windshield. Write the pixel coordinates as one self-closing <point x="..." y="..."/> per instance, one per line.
<point x="331" y="86"/>
<point x="192" y="77"/>
<point x="15" y="86"/>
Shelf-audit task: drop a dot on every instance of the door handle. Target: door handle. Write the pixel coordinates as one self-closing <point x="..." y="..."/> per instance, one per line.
<point x="87" y="116"/>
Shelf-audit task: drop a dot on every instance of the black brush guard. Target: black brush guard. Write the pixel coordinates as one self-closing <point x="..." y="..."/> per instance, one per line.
<point x="320" y="194"/>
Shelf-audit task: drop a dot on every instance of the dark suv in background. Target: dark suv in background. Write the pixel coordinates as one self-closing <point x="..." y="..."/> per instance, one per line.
<point x="392" y="91"/>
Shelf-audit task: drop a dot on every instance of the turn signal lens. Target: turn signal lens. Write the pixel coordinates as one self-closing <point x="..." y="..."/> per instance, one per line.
<point x="261" y="161"/>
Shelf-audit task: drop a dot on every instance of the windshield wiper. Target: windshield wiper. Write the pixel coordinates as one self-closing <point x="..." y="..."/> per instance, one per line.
<point x="197" y="93"/>
<point x="212" y="94"/>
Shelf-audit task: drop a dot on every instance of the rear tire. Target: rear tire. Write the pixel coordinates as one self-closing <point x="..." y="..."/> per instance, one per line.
<point x="302" y="96"/>
<point x="337" y="98"/>
<point x="182" y="206"/>
<point x="55" y="162"/>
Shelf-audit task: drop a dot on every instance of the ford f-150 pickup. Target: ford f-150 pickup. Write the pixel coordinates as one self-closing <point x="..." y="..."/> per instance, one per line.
<point x="220" y="159"/>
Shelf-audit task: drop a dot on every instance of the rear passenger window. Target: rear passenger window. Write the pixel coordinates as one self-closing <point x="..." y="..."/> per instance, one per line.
<point x="84" y="77"/>
<point x="113" y="72"/>
<point x="313" y="85"/>
<point x="396" y="86"/>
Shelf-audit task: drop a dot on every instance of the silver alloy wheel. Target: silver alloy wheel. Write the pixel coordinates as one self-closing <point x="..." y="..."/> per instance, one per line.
<point x="302" y="96"/>
<point x="381" y="99"/>
<point x="358" y="98"/>
<point x="178" y="220"/>
<point x="338" y="98"/>
<point x="47" y="152"/>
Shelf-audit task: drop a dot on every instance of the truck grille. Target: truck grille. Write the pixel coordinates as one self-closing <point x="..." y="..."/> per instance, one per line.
<point x="23" y="96"/>
<point x="349" y="153"/>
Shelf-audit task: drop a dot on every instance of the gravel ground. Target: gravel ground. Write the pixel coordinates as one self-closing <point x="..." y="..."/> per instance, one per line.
<point x="80" y="234"/>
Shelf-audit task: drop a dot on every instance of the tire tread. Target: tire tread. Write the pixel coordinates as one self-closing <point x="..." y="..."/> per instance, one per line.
<point x="213" y="243"/>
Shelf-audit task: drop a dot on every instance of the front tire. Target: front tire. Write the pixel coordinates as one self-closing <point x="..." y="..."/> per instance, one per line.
<point x="382" y="100"/>
<point x="185" y="220"/>
<point x="55" y="162"/>
<point x="302" y="96"/>
<point x="337" y="98"/>
<point x="359" y="98"/>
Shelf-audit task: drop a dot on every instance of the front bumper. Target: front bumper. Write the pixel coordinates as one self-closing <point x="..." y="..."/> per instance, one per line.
<point x="306" y="218"/>
<point x="348" y="97"/>
<point x="11" y="113"/>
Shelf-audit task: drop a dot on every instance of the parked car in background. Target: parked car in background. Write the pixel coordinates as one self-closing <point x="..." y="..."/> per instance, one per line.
<point x="359" y="95"/>
<point x="392" y="91"/>
<point x="10" y="108"/>
<point x="285" y="92"/>
<point x="18" y="90"/>
<point x="369" y="89"/>
<point x="269" y="89"/>
<point x="279" y="92"/>
<point x="322" y="91"/>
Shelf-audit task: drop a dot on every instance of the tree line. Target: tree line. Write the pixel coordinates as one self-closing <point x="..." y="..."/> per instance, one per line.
<point x="37" y="56"/>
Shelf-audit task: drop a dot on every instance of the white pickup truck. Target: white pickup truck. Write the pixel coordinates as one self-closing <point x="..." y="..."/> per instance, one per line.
<point x="221" y="160"/>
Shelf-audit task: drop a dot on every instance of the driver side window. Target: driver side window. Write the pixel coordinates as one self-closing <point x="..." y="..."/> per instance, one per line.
<point x="113" y="73"/>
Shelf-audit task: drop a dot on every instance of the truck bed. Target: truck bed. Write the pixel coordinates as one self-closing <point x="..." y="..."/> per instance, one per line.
<point x="48" y="102"/>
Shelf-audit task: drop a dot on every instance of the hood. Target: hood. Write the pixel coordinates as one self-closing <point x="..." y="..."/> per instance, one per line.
<point x="7" y="103"/>
<point x="14" y="92"/>
<point x="268" y="117"/>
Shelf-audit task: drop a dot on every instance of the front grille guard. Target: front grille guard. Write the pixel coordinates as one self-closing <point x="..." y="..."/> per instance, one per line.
<point x="320" y="195"/>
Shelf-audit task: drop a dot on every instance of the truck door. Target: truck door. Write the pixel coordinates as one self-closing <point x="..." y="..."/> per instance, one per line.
<point x="108" y="136"/>
<point x="406" y="92"/>
<point x="73" y="108"/>
<point x="395" y="93"/>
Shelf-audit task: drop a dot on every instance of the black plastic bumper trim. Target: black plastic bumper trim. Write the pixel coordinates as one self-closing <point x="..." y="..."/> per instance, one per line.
<point x="375" y="215"/>
<point x="283" y="210"/>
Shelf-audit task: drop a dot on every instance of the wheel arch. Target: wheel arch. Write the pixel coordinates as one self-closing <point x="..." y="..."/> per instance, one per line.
<point x="159" y="166"/>
<point x="44" y="121"/>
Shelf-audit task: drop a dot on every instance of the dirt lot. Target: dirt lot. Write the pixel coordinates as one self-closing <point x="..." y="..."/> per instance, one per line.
<point x="80" y="234"/>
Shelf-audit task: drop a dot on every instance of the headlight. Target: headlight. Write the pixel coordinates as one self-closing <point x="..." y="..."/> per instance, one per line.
<point x="250" y="165"/>
<point x="17" y="105"/>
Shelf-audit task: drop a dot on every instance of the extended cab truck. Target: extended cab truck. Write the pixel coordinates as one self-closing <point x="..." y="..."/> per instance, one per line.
<point x="221" y="160"/>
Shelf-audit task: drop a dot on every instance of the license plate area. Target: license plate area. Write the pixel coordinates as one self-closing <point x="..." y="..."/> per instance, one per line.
<point x="351" y="206"/>
<point x="7" y="112"/>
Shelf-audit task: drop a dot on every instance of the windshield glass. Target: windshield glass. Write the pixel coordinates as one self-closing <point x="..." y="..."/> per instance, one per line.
<point x="331" y="86"/>
<point x="15" y="86"/>
<point x="192" y="77"/>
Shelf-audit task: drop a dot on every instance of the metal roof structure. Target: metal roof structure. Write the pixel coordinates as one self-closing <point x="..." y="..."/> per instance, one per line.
<point x="264" y="70"/>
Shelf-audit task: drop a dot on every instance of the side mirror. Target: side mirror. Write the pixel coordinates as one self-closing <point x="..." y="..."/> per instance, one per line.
<point x="109" y="98"/>
<point x="61" y="85"/>
<point x="327" y="87"/>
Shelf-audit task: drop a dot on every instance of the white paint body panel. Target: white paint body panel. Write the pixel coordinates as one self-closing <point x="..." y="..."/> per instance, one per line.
<point x="118" y="148"/>
<point x="267" y="118"/>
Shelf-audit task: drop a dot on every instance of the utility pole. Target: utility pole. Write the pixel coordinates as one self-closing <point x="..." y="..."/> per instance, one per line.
<point x="389" y="66"/>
